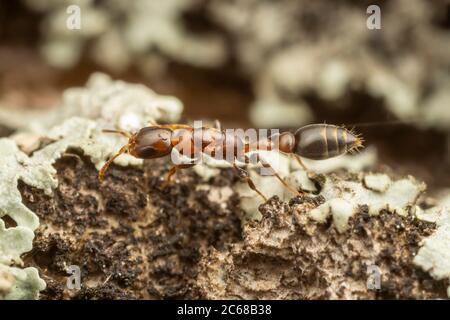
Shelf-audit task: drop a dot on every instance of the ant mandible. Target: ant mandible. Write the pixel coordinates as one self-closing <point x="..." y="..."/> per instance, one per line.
<point x="315" y="141"/>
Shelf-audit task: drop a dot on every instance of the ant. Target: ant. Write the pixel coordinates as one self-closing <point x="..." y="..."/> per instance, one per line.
<point x="315" y="141"/>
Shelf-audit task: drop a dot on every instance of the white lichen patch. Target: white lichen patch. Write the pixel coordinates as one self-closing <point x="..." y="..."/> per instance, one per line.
<point x="79" y="122"/>
<point x="16" y="165"/>
<point x="340" y="210"/>
<point x="434" y="255"/>
<point x="14" y="242"/>
<point x="6" y="282"/>
<point x="343" y="197"/>
<point x="250" y="200"/>
<point x="289" y="169"/>
<point x="114" y="104"/>
<point x="18" y="283"/>
<point x="265" y="182"/>
<point x="146" y="25"/>
<point x="398" y="197"/>
<point x="377" y="182"/>
<point x="86" y="135"/>
<point x="120" y="104"/>
<point x="301" y="180"/>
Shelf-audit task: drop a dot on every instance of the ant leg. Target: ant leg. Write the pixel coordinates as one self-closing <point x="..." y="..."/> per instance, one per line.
<point x="309" y="173"/>
<point x="284" y="183"/>
<point x="101" y="173"/>
<point x="300" y="162"/>
<point x="172" y="171"/>
<point x="244" y="175"/>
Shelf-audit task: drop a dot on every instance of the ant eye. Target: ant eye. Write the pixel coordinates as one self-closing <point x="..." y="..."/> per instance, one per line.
<point x="147" y="152"/>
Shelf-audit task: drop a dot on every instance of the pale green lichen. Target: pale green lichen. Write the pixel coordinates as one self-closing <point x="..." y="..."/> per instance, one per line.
<point x="84" y="113"/>
<point x="434" y="255"/>
<point x="16" y="283"/>
<point x="340" y="210"/>
<point x="377" y="182"/>
<point x="398" y="197"/>
<point x="288" y="168"/>
<point x="14" y="242"/>
<point x="134" y="31"/>
<point x="113" y="103"/>
<point x="16" y="165"/>
<point x="345" y="196"/>
<point x="266" y="183"/>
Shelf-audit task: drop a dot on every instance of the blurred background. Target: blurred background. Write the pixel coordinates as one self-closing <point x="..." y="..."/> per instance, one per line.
<point x="252" y="63"/>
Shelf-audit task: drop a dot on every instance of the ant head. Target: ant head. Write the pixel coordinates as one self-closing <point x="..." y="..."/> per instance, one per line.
<point x="151" y="142"/>
<point x="147" y="143"/>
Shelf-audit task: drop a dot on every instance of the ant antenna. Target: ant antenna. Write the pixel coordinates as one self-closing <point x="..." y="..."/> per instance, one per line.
<point x="124" y="149"/>
<point x="102" y="172"/>
<point x="123" y="133"/>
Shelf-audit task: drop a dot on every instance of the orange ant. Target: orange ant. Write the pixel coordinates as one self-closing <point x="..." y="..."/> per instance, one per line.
<point x="315" y="141"/>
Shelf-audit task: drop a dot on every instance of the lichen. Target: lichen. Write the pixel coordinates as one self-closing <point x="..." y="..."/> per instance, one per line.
<point x="400" y="195"/>
<point x="434" y="255"/>
<point x="377" y="182"/>
<point x="271" y="44"/>
<point x="16" y="240"/>
<point x="134" y="30"/>
<point x="112" y="103"/>
<point x="275" y="52"/>
<point x="290" y="170"/>
<point x="288" y="255"/>
<point x="16" y="283"/>
<point x="341" y="210"/>
<point x="317" y="245"/>
<point x="344" y="198"/>
<point x="102" y="104"/>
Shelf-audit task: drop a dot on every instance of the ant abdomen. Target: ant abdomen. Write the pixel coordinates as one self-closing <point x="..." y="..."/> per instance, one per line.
<point x="323" y="141"/>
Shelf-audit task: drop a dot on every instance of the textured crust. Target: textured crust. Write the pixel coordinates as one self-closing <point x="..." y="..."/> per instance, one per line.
<point x="133" y="241"/>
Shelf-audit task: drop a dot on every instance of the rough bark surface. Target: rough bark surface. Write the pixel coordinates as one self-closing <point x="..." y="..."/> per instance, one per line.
<point x="133" y="240"/>
<point x="130" y="239"/>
